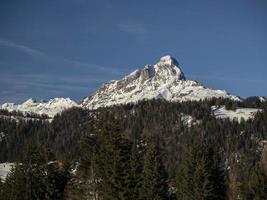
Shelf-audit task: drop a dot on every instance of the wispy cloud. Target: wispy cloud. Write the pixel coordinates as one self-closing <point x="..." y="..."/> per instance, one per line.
<point x="64" y="77"/>
<point x="37" y="54"/>
<point x="30" y="51"/>
<point x="18" y="88"/>
<point x="53" y="79"/>
<point x="133" y="27"/>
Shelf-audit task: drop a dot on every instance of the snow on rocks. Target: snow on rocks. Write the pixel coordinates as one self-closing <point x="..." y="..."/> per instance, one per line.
<point x="263" y="99"/>
<point x="163" y="80"/>
<point x="188" y="120"/>
<point x="2" y="136"/>
<point x="239" y="113"/>
<point x="5" y="169"/>
<point x="50" y="108"/>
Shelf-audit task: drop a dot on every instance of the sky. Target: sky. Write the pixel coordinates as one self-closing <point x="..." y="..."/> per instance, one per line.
<point x="69" y="48"/>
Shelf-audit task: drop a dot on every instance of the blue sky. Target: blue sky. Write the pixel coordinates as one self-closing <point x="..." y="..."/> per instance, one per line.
<point x="69" y="48"/>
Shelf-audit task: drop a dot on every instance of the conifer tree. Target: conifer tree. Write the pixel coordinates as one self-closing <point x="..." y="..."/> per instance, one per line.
<point x="185" y="176"/>
<point x="106" y="160"/>
<point x="88" y="167"/>
<point x="33" y="165"/>
<point x="114" y="161"/>
<point x="200" y="175"/>
<point x="26" y="179"/>
<point x="57" y="175"/>
<point x="14" y="186"/>
<point x="256" y="188"/>
<point x="154" y="178"/>
<point x="134" y="176"/>
<point x="35" y="178"/>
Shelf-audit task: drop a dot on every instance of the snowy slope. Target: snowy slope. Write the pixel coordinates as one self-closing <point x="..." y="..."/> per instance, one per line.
<point x="163" y="80"/>
<point x="222" y="113"/>
<point x="5" y="169"/>
<point x="263" y="99"/>
<point x="50" y="108"/>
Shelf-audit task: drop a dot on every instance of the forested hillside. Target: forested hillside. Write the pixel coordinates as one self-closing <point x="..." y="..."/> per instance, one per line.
<point x="149" y="150"/>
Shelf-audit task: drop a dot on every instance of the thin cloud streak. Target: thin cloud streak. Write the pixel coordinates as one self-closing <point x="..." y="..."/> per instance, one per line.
<point x="67" y="83"/>
<point x="37" y="54"/>
<point x="30" y="51"/>
<point x="47" y="78"/>
<point x="80" y="78"/>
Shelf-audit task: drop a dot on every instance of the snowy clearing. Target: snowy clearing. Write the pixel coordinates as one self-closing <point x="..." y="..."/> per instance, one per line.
<point x="239" y="113"/>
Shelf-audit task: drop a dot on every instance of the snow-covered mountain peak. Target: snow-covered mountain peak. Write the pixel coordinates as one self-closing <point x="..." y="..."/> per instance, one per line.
<point x="61" y="101"/>
<point x="50" y="108"/>
<point x="169" y="66"/>
<point x="167" y="69"/>
<point x="163" y="80"/>
<point x="168" y="60"/>
<point x="29" y="102"/>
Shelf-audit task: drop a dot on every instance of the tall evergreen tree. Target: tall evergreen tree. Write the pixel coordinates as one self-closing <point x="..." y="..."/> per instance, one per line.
<point x="26" y="179"/>
<point x="256" y="187"/>
<point x="35" y="178"/>
<point x="200" y="176"/>
<point x="154" y="178"/>
<point x="106" y="160"/>
<point x="14" y="186"/>
<point x="134" y="176"/>
<point x="113" y="161"/>
<point x="88" y="167"/>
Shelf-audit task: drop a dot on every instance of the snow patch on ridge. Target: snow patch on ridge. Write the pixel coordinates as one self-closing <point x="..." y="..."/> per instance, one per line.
<point x="239" y="113"/>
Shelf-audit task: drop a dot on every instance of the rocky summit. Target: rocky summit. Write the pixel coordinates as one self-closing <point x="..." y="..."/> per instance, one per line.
<point x="163" y="80"/>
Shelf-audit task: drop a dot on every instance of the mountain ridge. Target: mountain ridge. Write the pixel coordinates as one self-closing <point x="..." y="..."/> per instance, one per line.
<point x="49" y="108"/>
<point x="163" y="80"/>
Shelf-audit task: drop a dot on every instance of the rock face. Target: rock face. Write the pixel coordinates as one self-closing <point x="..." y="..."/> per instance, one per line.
<point x="163" y="80"/>
<point x="50" y="108"/>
